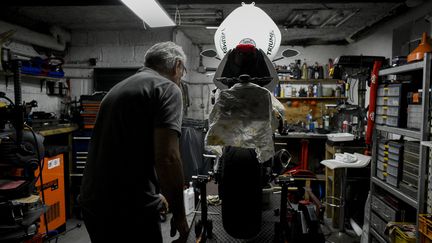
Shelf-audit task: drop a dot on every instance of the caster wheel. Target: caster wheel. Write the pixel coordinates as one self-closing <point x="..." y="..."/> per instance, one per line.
<point x="198" y="228"/>
<point x="210" y="229"/>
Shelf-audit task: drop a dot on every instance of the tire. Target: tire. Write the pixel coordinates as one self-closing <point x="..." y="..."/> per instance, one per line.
<point x="241" y="193"/>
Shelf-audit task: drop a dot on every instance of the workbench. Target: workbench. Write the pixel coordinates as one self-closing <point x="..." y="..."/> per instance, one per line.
<point x="292" y="142"/>
<point x="61" y="135"/>
<point x="305" y="135"/>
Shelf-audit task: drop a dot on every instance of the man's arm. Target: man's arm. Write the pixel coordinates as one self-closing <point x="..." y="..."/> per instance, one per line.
<point x="170" y="173"/>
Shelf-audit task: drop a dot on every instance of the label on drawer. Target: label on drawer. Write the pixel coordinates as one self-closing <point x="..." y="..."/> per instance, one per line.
<point x="53" y="163"/>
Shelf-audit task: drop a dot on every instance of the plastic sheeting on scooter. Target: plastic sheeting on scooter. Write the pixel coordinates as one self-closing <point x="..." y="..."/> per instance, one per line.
<point x="242" y="117"/>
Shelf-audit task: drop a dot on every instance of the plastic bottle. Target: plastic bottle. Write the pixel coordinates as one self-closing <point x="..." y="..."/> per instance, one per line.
<point x="282" y="91"/>
<point x="315" y="90"/>
<point x="288" y="91"/>
<point x="326" y="122"/>
<point x="304" y="70"/>
<point x="345" y="126"/>
<point x="338" y="91"/>
<point x="277" y="90"/>
<point x="309" y="123"/>
<point x="189" y="199"/>
<point x="319" y="91"/>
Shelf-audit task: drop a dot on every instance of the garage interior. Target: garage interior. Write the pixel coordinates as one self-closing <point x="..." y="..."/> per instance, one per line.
<point x="349" y="156"/>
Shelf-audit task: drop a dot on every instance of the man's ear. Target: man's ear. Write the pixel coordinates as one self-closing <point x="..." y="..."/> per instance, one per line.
<point x="176" y="67"/>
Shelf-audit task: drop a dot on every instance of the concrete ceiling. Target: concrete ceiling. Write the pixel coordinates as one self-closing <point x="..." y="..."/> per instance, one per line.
<point x="317" y="22"/>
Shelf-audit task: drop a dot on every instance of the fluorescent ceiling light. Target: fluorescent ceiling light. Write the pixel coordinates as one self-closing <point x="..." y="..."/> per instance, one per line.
<point x="150" y="11"/>
<point x="212" y="27"/>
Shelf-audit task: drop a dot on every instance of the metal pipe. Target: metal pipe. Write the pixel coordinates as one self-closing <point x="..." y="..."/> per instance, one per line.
<point x="27" y="36"/>
<point x="18" y="108"/>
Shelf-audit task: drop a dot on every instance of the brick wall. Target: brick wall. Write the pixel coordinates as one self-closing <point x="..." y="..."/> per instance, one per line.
<point x="123" y="48"/>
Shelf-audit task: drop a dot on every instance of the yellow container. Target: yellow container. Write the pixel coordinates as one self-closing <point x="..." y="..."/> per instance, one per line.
<point x="425" y="225"/>
<point x="399" y="236"/>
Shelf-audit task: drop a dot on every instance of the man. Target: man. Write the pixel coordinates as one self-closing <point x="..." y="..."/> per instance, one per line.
<point x="134" y="154"/>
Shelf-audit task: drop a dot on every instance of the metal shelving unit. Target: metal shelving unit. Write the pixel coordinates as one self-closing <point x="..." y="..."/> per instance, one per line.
<point x="377" y="236"/>
<point x="307" y="81"/>
<point x="401" y="131"/>
<point x="402" y="69"/>
<point x="422" y="135"/>
<point x="395" y="192"/>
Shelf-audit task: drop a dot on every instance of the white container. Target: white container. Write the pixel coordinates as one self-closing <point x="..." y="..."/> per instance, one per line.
<point x="338" y="137"/>
<point x="288" y="91"/>
<point x="189" y="199"/>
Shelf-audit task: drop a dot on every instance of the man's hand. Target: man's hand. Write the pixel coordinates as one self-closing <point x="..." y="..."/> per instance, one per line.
<point x="183" y="229"/>
<point x="165" y="205"/>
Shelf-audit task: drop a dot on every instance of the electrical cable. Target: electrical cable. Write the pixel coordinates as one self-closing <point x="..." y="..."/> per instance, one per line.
<point x="40" y="175"/>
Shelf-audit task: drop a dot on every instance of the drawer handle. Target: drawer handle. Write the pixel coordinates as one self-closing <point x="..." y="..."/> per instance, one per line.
<point x="281" y="144"/>
<point x="80" y="167"/>
<point x="82" y="138"/>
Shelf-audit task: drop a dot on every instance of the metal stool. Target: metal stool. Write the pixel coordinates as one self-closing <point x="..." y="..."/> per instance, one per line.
<point x="340" y="235"/>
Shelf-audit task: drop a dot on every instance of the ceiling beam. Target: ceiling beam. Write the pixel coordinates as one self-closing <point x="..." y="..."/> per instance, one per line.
<point x="118" y="2"/>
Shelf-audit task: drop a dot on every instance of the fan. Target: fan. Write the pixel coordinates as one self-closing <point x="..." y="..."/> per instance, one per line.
<point x="206" y="53"/>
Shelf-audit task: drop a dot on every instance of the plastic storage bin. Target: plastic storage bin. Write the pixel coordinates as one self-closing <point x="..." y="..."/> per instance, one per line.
<point x="410" y="178"/>
<point x="389" y="90"/>
<point x="408" y="189"/>
<point x="388" y="101"/>
<point x="382" y="166"/>
<point x="392" y="180"/>
<point x="425" y="226"/>
<point x="393" y="170"/>
<point x="380" y="174"/>
<point x="387" y="110"/>
<point x="414" y="116"/>
<point x="392" y="121"/>
<point x="411" y="168"/>
<point x="398" y="236"/>
<point x="412" y="147"/>
<point x="395" y="147"/>
<point x="411" y="158"/>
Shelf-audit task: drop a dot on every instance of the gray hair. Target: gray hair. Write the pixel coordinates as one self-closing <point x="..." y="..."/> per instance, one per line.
<point x="163" y="56"/>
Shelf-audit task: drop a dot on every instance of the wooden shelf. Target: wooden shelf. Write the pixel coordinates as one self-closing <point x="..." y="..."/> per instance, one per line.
<point x="324" y="81"/>
<point x="312" y="98"/>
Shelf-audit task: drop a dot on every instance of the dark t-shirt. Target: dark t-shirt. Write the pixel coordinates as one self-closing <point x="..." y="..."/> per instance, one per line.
<point x="120" y="165"/>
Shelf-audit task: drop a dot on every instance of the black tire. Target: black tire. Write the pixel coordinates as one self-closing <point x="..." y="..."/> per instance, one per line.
<point x="241" y="193"/>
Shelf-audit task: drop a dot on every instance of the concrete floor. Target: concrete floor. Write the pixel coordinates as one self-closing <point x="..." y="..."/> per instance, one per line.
<point x="80" y="235"/>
